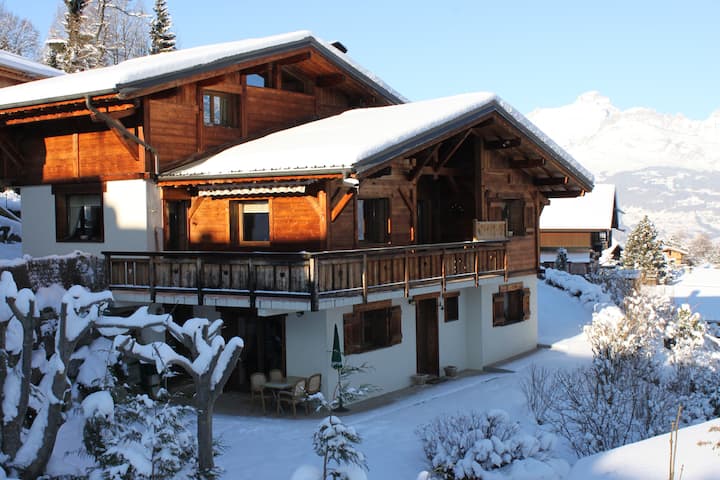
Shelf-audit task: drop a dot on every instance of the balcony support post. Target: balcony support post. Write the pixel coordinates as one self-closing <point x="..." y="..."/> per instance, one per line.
<point x="364" y="278"/>
<point x="314" y="274"/>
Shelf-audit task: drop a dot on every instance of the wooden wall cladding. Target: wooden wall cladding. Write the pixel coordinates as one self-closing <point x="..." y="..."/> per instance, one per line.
<point x="270" y="109"/>
<point x="565" y="239"/>
<point x="173" y="130"/>
<point x="297" y="223"/>
<point x="209" y="223"/>
<point x="522" y="254"/>
<point x="342" y="230"/>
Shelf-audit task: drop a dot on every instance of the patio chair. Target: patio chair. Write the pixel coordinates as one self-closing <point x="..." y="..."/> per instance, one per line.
<point x="314" y="382"/>
<point x="295" y="395"/>
<point x="276" y="375"/>
<point x="257" y="388"/>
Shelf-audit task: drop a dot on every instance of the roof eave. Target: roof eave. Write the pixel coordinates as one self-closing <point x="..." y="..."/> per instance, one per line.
<point x="307" y="172"/>
<point x="127" y="90"/>
<point x="62" y="98"/>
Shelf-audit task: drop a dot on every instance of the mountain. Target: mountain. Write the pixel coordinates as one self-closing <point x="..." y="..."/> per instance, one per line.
<point x="665" y="166"/>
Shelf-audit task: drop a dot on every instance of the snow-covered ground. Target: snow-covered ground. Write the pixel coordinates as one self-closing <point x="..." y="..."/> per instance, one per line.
<point x="274" y="447"/>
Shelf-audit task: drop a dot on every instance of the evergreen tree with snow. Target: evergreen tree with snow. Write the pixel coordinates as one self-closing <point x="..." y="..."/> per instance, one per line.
<point x="78" y="51"/>
<point x="643" y="250"/>
<point x="335" y="442"/>
<point x="163" y="40"/>
<point x="561" y="260"/>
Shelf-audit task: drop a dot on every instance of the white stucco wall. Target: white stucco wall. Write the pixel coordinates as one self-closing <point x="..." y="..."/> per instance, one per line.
<point x="501" y="343"/>
<point x="451" y="337"/>
<point x="308" y="347"/>
<point x="131" y="214"/>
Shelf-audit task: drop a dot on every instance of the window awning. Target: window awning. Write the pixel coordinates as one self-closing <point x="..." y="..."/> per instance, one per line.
<point x="253" y="189"/>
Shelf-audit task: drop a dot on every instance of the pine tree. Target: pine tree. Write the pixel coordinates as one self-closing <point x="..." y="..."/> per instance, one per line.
<point x="335" y="442"/>
<point x="561" y="260"/>
<point x="643" y="250"/>
<point x="78" y="51"/>
<point x="163" y="40"/>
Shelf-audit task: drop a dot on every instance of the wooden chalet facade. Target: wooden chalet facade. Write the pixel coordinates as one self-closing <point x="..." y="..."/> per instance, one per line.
<point x="15" y="69"/>
<point x="583" y="226"/>
<point x="227" y="181"/>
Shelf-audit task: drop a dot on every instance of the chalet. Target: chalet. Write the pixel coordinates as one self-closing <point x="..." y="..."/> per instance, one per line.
<point x="15" y="69"/>
<point x="583" y="226"/>
<point x="278" y="184"/>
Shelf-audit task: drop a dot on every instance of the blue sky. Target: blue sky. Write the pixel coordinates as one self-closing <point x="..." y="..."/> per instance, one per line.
<point x="661" y="54"/>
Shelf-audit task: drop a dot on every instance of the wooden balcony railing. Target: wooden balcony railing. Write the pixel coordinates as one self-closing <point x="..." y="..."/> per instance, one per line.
<point x="312" y="276"/>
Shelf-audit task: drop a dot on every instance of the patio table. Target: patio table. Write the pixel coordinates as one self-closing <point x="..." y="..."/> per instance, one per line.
<point x="285" y="384"/>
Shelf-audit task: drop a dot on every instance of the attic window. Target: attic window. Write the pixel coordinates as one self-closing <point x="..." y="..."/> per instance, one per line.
<point x="256" y="80"/>
<point x="220" y="109"/>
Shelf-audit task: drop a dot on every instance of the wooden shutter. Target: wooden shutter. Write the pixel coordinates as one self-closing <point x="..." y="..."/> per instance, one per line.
<point x="529" y="218"/>
<point x="526" y="303"/>
<point x="395" y="325"/>
<point x="498" y="309"/>
<point x="352" y="333"/>
<point x="235" y="223"/>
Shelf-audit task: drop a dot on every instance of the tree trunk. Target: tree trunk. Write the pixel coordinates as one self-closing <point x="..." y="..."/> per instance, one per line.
<point x="205" y="406"/>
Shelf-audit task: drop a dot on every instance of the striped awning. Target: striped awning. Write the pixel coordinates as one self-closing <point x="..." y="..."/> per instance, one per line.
<point x="253" y="189"/>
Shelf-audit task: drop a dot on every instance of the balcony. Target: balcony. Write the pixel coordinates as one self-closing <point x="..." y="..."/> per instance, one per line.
<point x="301" y="279"/>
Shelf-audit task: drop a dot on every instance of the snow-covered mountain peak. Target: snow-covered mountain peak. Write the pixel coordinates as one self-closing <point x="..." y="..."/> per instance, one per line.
<point x="664" y="165"/>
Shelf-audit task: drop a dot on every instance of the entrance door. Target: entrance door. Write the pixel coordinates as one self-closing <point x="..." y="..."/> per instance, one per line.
<point x="426" y="322"/>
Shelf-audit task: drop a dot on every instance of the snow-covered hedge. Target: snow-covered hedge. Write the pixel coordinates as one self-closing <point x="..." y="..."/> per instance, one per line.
<point x="469" y="445"/>
<point x="588" y="293"/>
<point x="76" y="268"/>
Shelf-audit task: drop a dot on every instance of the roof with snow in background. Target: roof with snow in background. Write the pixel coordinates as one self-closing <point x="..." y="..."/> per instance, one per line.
<point x="360" y="139"/>
<point x="143" y="72"/>
<point x="10" y="61"/>
<point x="593" y="211"/>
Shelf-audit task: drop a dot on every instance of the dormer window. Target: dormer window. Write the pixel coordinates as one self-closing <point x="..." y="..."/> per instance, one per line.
<point x="220" y="109"/>
<point x="256" y="80"/>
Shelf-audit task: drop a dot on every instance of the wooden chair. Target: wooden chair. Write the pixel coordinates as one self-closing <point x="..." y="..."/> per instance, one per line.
<point x="293" y="396"/>
<point x="276" y="375"/>
<point x="314" y="383"/>
<point x="257" y="387"/>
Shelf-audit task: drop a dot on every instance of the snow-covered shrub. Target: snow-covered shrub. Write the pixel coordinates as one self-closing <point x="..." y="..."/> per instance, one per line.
<point x="468" y="445"/>
<point x="347" y="393"/>
<point x="588" y="293"/>
<point x="138" y="438"/>
<point x="561" y="260"/>
<point x="539" y="391"/>
<point x="615" y="282"/>
<point x="336" y="443"/>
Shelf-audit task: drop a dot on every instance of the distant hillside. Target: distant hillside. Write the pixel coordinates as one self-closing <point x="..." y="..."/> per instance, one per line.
<point x="665" y="166"/>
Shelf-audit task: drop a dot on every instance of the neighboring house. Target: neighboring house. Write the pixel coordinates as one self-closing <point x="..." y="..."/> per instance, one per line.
<point x="15" y="69"/>
<point x="675" y="255"/>
<point x="583" y="226"/>
<point x="227" y="181"/>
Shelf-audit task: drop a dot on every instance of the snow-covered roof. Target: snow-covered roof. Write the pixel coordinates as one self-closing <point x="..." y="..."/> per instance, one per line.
<point x="142" y="72"/>
<point x="362" y="138"/>
<point x="593" y="211"/>
<point x="24" y="65"/>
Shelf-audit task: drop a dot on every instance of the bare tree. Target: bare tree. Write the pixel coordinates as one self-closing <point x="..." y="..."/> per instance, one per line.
<point x="17" y="35"/>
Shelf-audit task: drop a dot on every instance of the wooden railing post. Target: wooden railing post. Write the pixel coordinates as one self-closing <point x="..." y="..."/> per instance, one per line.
<point x="199" y="265"/>
<point x="252" y="282"/>
<point x="406" y="266"/>
<point x="364" y="278"/>
<point x="314" y="274"/>
<point x="442" y="271"/>
<point x="151" y="277"/>
<point x="476" y="261"/>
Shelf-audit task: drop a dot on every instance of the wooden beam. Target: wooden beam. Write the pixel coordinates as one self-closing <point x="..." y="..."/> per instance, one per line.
<point x="527" y="163"/>
<point x="294" y="59"/>
<point x="340" y="205"/>
<point x="453" y="148"/>
<point x="329" y="80"/>
<point x="565" y="194"/>
<point x="477" y="129"/>
<point x="415" y="173"/>
<point x="129" y="145"/>
<point x="444" y="172"/>
<point x="542" y="182"/>
<point x="502" y="144"/>
<point x="11" y="152"/>
<point x="194" y="208"/>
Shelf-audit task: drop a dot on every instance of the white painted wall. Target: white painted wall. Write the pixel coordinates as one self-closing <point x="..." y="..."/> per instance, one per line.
<point x="451" y="337"/>
<point x="501" y="343"/>
<point x="131" y="211"/>
<point x="308" y="347"/>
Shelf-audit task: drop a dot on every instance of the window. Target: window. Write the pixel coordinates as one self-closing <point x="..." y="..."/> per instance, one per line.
<point x="370" y="327"/>
<point x="511" y="304"/>
<point x="78" y="213"/>
<point x="450" y="305"/>
<point x="256" y="80"/>
<point x="220" y="109"/>
<point x="249" y="221"/>
<point x="519" y="215"/>
<point x="374" y="220"/>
